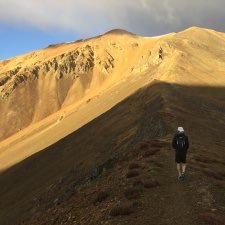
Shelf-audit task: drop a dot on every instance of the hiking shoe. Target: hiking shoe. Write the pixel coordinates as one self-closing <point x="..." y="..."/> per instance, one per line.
<point x="183" y="175"/>
<point x="180" y="178"/>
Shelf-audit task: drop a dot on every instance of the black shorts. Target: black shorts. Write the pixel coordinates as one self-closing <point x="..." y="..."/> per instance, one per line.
<point x="180" y="157"/>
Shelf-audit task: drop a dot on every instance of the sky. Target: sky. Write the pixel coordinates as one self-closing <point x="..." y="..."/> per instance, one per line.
<point x="27" y="25"/>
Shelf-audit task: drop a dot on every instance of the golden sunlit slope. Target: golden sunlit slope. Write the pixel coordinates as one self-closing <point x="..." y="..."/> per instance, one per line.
<point x="35" y="85"/>
<point x="198" y="58"/>
<point x="47" y="94"/>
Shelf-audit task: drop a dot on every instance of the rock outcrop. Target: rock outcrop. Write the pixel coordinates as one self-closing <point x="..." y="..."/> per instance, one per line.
<point x="35" y="85"/>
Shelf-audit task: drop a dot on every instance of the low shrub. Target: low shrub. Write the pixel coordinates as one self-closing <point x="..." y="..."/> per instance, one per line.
<point x="132" y="173"/>
<point x="157" y="144"/>
<point x="150" y="183"/>
<point x="137" y="182"/>
<point x="134" y="166"/>
<point x="143" y="145"/>
<point x="158" y="164"/>
<point x="150" y="153"/>
<point x="132" y="192"/>
<point x="121" y="209"/>
<point x="101" y="196"/>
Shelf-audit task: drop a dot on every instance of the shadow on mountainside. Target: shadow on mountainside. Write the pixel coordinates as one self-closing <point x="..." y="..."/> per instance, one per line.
<point x="122" y="163"/>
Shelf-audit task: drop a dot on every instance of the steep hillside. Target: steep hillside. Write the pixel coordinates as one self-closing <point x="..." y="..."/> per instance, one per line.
<point x="76" y="115"/>
<point x="35" y="85"/>
<point x="125" y="153"/>
<point x="50" y="93"/>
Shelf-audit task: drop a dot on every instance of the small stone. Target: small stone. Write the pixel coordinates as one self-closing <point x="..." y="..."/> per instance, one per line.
<point x="56" y="201"/>
<point x="213" y="210"/>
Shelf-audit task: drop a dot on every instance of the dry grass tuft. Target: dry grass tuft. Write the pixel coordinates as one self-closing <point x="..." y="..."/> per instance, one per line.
<point x="132" y="192"/>
<point x="157" y="144"/>
<point x="132" y="173"/>
<point x="150" y="183"/>
<point x="101" y="196"/>
<point x="136" y="203"/>
<point x="220" y="184"/>
<point x="151" y="160"/>
<point x="122" y="209"/>
<point x="158" y="164"/>
<point x="212" y="219"/>
<point x="138" y="182"/>
<point x="143" y="145"/>
<point x="150" y="153"/>
<point x="155" y="162"/>
<point x="134" y="166"/>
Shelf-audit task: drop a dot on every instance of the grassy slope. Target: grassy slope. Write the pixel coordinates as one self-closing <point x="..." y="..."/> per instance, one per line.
<point x="119" y="133"/>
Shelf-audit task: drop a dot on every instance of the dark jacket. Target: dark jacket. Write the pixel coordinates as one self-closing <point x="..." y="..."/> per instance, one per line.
<point x="175" y="140"/>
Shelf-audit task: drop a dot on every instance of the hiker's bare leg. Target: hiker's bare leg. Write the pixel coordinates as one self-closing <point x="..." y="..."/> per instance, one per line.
<point x="183" y="166"/>
<point x="179" y="168"/>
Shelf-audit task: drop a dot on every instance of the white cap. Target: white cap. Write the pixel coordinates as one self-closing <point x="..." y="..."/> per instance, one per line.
<point x="180" y="129"/>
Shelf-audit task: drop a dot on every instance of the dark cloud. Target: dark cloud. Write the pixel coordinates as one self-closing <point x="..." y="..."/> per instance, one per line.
<point x="91" y="17"/>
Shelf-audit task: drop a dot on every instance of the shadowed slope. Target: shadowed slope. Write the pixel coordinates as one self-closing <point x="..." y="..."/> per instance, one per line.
<point x="152" y="112"/>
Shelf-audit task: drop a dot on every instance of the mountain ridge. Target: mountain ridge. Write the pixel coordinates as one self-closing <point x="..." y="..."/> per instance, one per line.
<point x="70" y="174"/>
<point x="58" y="81"/>
<point x="86" y="131"/>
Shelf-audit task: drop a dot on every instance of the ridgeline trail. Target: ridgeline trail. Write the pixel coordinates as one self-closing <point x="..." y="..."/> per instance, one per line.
<point x="120" y="168"/>
<point x="141" y="187"/>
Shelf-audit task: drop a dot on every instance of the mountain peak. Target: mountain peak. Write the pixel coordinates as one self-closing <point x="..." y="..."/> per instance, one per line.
<point x="198" y="29"/>
<point x="120" y="32"/>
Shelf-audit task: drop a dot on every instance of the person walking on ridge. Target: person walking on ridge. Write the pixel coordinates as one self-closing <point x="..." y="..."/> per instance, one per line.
<point x="181" y="144"/>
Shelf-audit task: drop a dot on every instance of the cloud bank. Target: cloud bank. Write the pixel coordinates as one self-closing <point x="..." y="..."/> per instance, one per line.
<point x="91" y="17"/>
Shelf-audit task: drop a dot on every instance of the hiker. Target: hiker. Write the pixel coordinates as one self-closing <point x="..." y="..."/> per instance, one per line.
<point x="180" y="144"/>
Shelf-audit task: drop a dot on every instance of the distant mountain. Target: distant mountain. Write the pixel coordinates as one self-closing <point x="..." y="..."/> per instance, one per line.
<point x="63" y="78"/>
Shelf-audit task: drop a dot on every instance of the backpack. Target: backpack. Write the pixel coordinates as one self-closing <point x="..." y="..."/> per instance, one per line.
<point x="181" y="143"/>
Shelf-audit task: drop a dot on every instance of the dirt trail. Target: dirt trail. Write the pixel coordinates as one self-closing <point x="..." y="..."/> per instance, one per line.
<point x="173" y="202"/>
